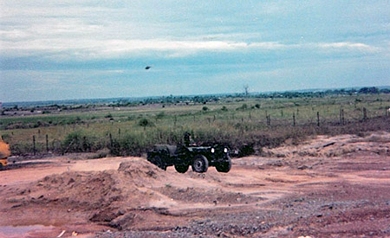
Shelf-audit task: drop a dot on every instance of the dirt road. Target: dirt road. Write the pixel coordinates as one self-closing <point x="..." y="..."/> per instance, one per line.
<point x="327" y="186"/>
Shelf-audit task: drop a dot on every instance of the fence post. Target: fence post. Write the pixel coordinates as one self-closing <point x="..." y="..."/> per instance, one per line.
<point x="47" y="143"/>
<point x="293" y="118"/>
<point x="34" y="148"/>
<point x="318" y="119"/>
<point x="111" y="142"/>
<point x="364" y="113"/>
<point x="342" y="121"/>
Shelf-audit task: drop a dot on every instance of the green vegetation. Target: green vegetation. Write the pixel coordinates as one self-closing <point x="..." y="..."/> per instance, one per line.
<point x="243" y="123"/>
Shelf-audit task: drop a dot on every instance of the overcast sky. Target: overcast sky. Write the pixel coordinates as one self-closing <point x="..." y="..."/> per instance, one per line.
<point x="77" y="49"/>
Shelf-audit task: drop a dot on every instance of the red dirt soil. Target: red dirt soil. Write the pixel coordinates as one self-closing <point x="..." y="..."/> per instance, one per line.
<point x="326" y="187"/>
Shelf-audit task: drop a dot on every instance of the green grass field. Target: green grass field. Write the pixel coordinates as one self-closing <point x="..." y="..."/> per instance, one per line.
<point x="247" y="124"/>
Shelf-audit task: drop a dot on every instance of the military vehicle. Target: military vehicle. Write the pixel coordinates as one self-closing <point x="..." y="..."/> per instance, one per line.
<point x="200" y="158"/>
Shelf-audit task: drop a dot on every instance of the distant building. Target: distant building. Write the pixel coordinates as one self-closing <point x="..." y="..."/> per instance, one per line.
<point x="1" y="105"/>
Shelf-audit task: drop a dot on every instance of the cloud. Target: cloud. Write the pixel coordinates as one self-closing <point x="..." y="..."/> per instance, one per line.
<point x="87" y="48"/>
<point x="90" y="49"/>
<point x="86" y="30"/>
<point x="350" y="46"/>
<point x="109" y="43"/>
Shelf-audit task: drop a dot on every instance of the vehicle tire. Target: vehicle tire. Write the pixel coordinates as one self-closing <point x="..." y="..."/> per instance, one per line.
<point x="224" y="167"/>
<point x="200" y="164"/>
<point x="181" y="168"/>
<point x="1" y="166"/>
<point x="159" y="162"/>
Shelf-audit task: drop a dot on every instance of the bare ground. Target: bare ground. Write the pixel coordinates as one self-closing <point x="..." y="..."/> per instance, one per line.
<point x="326" y="187"/>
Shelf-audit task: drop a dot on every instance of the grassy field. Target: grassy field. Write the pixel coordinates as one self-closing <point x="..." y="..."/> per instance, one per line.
<point x="244" y="124"/>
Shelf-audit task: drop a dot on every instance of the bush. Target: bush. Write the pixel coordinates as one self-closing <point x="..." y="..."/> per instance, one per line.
<point x="79" y="141"/>
<point x="130" y="144"/>
<point x="145" y="123"/>
<point x="21" y="149"/>
<point x="243" y="107"/>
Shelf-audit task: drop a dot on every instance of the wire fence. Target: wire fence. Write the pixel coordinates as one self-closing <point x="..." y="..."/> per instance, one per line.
<point x="250" y="125"/>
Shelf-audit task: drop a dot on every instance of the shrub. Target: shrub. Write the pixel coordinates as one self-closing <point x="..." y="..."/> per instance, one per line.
<point x="160" y="115"/>
<point x="145" y="123"/>
<point x="21" y="148"/>
<point x="243" y="107"/>
<point x="130" y="144"/>
<point x="79" y="141"/>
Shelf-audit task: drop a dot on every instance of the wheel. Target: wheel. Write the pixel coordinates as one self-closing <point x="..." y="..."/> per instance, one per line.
<point x="157" y="160"/>
<point x="224" y="167"/>
<point x="181" y="168"/>
<point x="200" y="164"/>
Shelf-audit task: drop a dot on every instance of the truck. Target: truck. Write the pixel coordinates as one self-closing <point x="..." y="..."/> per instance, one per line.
<point x="200" y="158"/>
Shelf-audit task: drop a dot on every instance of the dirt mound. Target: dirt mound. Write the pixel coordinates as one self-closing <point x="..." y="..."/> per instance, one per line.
<point x="141" y="173"/>
<point x="89" y="190"/>
<point x="325" y="146"/>
<point x="109" y="196"/>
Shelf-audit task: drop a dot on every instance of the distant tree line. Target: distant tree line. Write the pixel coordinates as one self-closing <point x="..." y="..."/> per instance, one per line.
<point x="203" y="99"/>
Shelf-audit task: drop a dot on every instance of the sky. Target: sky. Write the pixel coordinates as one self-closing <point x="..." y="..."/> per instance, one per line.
<point x="77" y="49"/>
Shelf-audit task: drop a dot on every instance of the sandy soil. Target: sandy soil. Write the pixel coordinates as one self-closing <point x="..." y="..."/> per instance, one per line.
<point x="325" y="187"/>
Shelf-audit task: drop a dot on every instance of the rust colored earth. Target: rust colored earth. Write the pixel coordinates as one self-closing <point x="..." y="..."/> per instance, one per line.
<point x="325" y="187"/>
